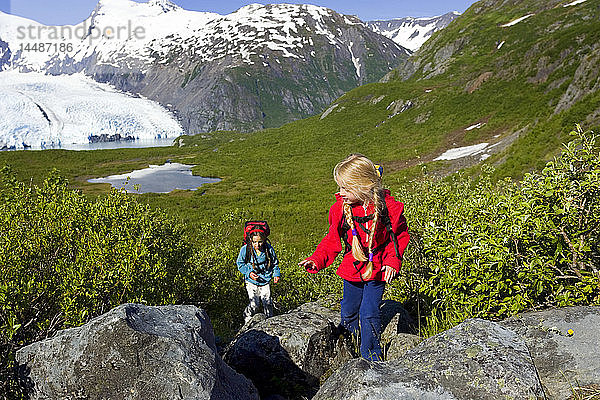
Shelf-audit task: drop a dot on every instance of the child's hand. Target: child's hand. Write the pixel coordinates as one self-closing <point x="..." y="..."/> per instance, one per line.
<point x="309" y="265"/>
<point x="253" y="276"/>
<point x="388" y="273"/>
<point x="276" y="279"/>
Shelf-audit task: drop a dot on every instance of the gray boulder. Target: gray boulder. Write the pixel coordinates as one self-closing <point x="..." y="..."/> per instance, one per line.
<point x="287" y="355"/>
<point x="565" y="362"/>
<point x="398" y="328"/>
<point x="396" y="323"/>
<point x="395" y="319"/>
<point x="475" y="360"/>
<point x="133" y="352"/>
<point x="398" y="345"/>
<point x="317" y="307"/>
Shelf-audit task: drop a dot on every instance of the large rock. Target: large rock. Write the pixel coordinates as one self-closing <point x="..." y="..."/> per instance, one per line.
<point x="475" y="360"/>
<point x="397" y="326"/>
<point x="320" y="309"/>
<point x="288" y="354"/>
<point x="395" y="319"/>
<point x="398" y="345"/>
<point x="133" y="352"/>
<point x="398" y="330"/>
<point x="564" y="362"/>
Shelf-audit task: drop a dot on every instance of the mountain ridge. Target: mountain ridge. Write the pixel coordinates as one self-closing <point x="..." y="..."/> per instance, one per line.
<point x="412" y="32"/>
<point x="236" y="71"/>
<point x="523" y="82"/>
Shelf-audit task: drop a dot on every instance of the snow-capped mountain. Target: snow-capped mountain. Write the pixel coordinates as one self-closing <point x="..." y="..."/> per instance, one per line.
<point x="411" y="32"/>
<point x="258" y="67"/>
<point x="43" y="111"/>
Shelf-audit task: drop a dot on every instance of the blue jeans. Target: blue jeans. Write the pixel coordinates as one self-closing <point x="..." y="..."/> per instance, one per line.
<point x="361" y="301"/>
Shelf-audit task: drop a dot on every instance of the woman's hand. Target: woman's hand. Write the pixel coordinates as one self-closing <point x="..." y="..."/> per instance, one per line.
<point x="309" y="265"/>
<point x="388" y="273"/>
<point x="276" y="279"/>
<point x="253" y="276"/>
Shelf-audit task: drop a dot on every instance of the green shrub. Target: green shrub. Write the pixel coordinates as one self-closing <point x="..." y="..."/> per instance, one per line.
<point x="494" y="249"/>
<point x="66" y="259"/>
<point x="478" y="249"/>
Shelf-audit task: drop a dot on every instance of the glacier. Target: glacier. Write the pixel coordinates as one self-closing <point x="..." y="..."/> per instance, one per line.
<point x="43" y="111"/>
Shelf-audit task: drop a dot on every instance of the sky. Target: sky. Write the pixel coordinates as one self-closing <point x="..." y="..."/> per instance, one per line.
<point x="69" y="12"/>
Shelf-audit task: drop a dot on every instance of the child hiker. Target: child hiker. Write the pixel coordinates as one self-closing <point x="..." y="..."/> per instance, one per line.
<point x="370" y="223"/>
<point x="258" y="263"/>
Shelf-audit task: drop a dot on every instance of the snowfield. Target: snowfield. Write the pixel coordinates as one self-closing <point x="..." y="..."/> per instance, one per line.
<point x="410" y="32"/>
<point x="44" y="111"/>
<point x="574" y="3"/>
<point x="516" y="21"/>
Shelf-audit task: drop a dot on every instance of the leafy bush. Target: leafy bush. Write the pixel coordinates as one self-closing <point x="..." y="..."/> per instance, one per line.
<point x="488" y="249"/>
<point x="66" y="259"/>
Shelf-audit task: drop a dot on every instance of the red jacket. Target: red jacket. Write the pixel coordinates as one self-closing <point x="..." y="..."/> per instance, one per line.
<point x="331" y="244"/>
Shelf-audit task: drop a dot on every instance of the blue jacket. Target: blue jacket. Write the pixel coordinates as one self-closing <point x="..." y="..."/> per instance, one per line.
<point x="264" y="274"/>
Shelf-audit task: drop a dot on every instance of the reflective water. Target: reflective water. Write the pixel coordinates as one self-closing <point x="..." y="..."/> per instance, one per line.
<point x="123" y="144"/>
<point x="157" y="179"/>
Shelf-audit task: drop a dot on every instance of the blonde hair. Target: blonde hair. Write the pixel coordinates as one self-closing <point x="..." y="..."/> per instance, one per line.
<point x="359" y="175"/>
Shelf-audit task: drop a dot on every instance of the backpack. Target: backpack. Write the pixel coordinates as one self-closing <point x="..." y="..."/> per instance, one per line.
<point x="249" y="228"/>
<point x="255" y="226"/>
<point x="385" y="219"/>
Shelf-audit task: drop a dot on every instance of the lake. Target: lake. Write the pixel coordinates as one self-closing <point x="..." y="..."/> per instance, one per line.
<point x="157" y="179"/>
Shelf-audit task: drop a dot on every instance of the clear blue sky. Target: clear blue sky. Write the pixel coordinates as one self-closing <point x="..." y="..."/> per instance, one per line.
<point x="63" y="12"/>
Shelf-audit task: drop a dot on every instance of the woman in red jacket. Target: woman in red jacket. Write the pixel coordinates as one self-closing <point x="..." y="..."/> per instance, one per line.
<point x="370" y="222"/>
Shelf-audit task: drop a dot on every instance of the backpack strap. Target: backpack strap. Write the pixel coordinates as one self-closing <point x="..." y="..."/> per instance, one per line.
<point x="385" y="217"/>
<point x="343" y="229"/>
<point x="364" y="219"/>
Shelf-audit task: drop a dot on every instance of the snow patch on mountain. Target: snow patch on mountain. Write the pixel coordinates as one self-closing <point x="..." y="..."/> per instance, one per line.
<point x="460" y="152"/>
<point x="516" y="21"/>
<point x="42" y="111"/>
<point x="355" y="60"/>
<point x="124" y="33"/>
<point x="574" y="3"/>
<point x="411" y="32"/>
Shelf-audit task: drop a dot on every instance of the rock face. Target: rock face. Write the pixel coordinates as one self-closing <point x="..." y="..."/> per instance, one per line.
<point x="133" y="352"/>
<point x="475" y="360"/>
<point x="586" y="80"/>
<point x="563" y="361"/>
<point x="288" y="354"/>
